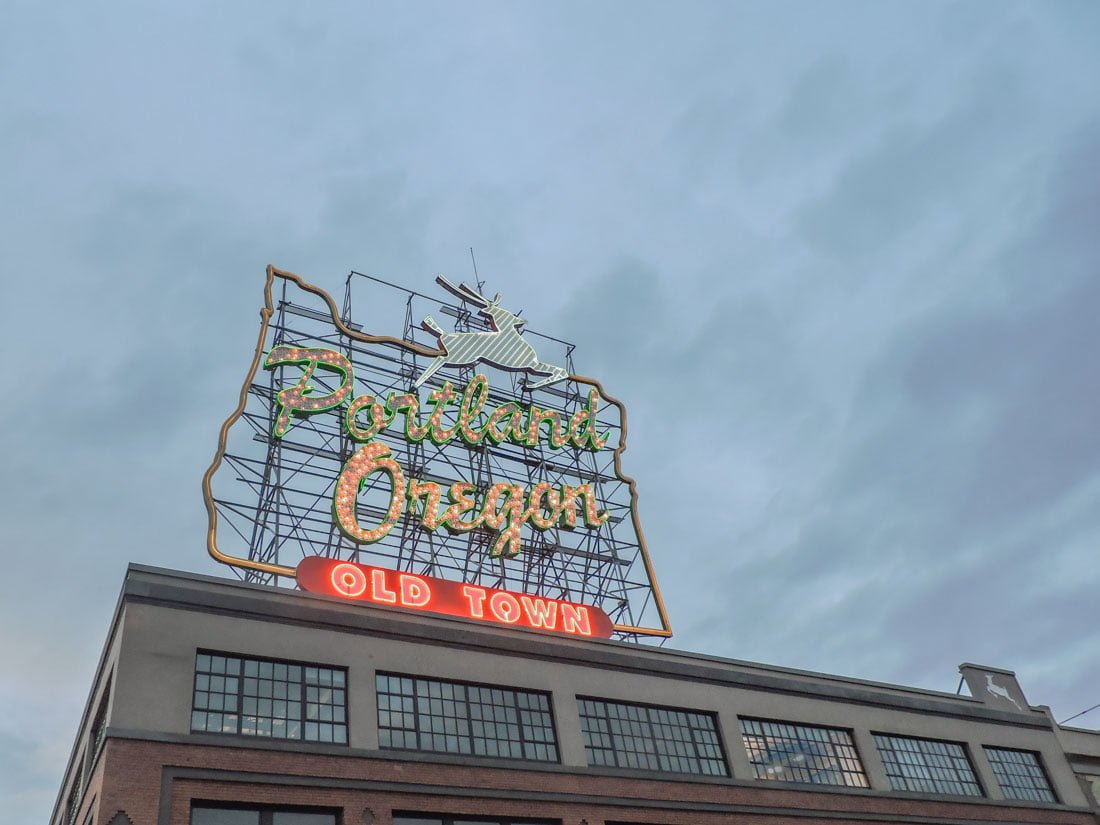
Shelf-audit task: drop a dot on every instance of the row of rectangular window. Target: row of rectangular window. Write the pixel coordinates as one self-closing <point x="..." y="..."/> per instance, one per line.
<point x="289" y="700"/>
<point x="206" y="813"/>
<point x="87" y="758"/>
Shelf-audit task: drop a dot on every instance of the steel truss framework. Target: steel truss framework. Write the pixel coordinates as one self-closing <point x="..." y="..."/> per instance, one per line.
<point x="270" y="499"/>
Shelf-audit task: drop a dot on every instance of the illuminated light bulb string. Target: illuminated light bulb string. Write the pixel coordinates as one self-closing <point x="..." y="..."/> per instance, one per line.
<point x="301" y="426"/>
<point x="506" y="506"/>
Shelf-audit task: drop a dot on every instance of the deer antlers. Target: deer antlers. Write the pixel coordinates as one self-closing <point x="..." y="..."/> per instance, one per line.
<point x="466" y="293"/>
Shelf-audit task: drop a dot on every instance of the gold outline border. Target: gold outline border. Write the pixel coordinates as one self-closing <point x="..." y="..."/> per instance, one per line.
<point x="265" y="317"/>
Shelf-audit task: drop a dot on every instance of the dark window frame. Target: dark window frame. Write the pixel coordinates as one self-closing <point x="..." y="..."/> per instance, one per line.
<point x="723" y="751"/>
<point x="97" y="733"/>
<point x="266" y="812"/>
<point x="963" y="747"/>
<point x="420" y="732"/>
<point x="811" y="726"/>
<point x="240" y="695"/>
<point x="450" y="819"/>
<point x="1054" y="798"/>
<point x="72" y="803"/>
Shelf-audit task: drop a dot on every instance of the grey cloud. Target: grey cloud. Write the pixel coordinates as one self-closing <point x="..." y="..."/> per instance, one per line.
<point x="915" y="169"/>
<point x="24" y="783"/>
<point x="960" y="491"/>
<point x="865" y="234"/>
<point x="1003" y="399"/>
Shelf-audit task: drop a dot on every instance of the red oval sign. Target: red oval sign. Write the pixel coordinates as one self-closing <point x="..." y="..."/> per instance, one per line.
<point x="378" y="585"/>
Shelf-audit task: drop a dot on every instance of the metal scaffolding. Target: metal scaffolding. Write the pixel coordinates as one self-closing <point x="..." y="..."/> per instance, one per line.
<point x="273" y="496"/>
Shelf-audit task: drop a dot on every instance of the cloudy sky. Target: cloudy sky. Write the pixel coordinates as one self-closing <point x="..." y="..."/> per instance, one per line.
<point x="866" y="232"/>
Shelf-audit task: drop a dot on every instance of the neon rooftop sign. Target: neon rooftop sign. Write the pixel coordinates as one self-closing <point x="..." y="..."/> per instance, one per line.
<point x="468" y="601"/>
<point x="480" y="480"/>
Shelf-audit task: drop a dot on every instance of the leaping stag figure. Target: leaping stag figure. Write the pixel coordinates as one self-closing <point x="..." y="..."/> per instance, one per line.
<point x="504" y="347"/>
<point x="999" y="690"/>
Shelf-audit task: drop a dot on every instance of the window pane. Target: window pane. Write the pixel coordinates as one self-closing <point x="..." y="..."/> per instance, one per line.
<point x="257" y="697"/>
<point x="1020" y="774"/>
<point x="927" y="766"/>
<point x="224" y="816"/>
<point x="622" y="735"/>
<point x="453" y="717"/>
<point x="790" y="752"/>
<point x="202" y="815"/>
<point x="300" y="818"/>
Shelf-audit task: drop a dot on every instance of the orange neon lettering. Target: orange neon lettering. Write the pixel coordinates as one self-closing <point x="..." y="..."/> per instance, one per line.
<point x="505" y="607"/>
<point x="504" y="413"/>
<point x="430" y="492"/>
<point x="378" y="590"/>
<point x="535" y="512"/>
<point x="373" y="458"/>
<point x="348" y="580"/>
<point x="583" y="424"/>
<point x="511" y="516"/>
<point x="540" y="613"/>
<point x="379" y="418"/>
<point x="476" y="597"/>
<point x="568" y="507"/>
<point x="440" y="399"/>
<point x="473" y="399"/>
<point x="300" y="399"/>
<point x="574" y="619"/>
<point x="450" y="598"/>
<point x="414" y="591"/>
<point x="461" y="502"/>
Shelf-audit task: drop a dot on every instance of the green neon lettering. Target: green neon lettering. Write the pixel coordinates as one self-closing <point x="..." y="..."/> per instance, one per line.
<point x="473" y="399"/>
<point x="504" y="413"/>
<point x="380" y="418"/>
<point x="410" y="405"/>
<point x="568" y="504"/>
<point x="431" y="493"/>
<point x="510" y="515"/>
<point x="536" y="509"/>
<point x="460" y="496"/>
<point x="300" y="399"/>
<point x="441" y="399"/>
<point x="556" y="437"/>
<point x="582" y="426"/>
<point x="370" y="459"/>
<point x="505" y="508"/>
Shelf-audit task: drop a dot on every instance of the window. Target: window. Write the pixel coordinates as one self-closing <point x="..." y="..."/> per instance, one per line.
<point x="650" y="738"/>
<point x="72" y="806"/>
<point x="800" y="753"/>
<point x="204" y="814"/>
<point x="1020" y="774"/>
<point x="98" y="733"/>
<point x="456" y="717"/>
<point x="927" y="765"/>
<point x="435" y="819"/>
<point x="261" y="697"/>
<point x="99" y="726"/>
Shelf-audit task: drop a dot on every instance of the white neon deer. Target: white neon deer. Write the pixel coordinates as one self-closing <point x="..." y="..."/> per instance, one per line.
<point x="504" y="347"/>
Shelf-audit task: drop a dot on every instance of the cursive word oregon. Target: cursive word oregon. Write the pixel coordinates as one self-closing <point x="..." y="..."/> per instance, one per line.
<point x="503" y="507"/>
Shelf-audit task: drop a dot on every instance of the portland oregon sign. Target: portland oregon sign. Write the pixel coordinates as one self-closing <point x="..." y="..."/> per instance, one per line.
<point x="427" y="451"/>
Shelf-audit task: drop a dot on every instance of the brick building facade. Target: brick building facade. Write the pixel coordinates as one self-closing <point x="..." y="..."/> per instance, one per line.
<point x="223" y="703"/>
